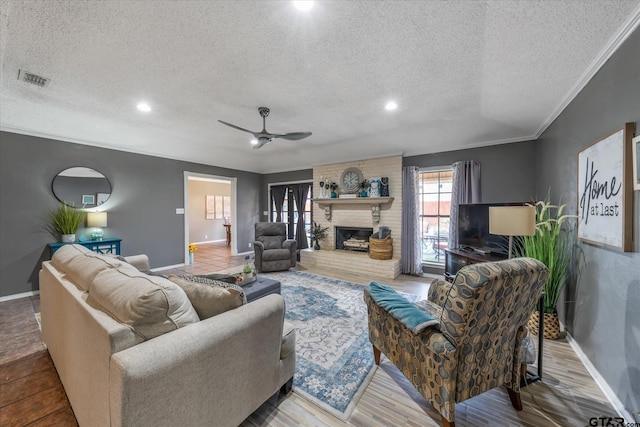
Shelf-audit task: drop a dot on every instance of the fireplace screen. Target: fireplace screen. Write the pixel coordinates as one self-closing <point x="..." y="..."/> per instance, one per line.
<point x="353" y="238"/>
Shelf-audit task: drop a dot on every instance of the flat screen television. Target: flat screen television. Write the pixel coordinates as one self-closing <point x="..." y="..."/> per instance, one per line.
<point x="473" y="228"/>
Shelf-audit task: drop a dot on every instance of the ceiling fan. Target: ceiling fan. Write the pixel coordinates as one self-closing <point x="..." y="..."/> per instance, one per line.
<point x="263" y="137"/>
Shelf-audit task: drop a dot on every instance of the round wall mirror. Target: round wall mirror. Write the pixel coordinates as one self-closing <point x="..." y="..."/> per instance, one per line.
<point x="81" y="187"/>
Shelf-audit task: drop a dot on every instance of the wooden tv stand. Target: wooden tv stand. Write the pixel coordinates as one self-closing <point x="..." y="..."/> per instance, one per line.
<point x="455" y="259"/>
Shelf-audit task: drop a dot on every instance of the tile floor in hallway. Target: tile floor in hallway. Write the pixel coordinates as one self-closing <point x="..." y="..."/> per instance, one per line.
<point x="209" y="258"/>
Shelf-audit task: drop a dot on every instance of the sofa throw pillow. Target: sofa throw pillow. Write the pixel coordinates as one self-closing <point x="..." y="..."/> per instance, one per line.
<point x="151" y="305"/>
<point x="210" y="297"/>
<point x="81" y="265"/>
<point x="210" y="279"/>
<point x="229" y="278"/>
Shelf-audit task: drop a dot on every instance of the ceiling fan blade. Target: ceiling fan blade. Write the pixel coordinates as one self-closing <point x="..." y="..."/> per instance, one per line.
<point x="293" y="136"/>
<point x="237" y="127"/>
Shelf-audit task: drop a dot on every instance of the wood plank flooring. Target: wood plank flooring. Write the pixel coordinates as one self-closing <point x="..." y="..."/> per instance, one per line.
<point x="31" y="393"/>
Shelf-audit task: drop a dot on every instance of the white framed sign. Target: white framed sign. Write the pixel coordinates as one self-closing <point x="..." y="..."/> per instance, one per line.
<point x="636" y="163"/>
<point x="605" y="191"/>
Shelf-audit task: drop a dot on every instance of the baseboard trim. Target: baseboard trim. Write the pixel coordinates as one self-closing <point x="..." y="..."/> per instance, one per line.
<point x="600" y="381"/>
<point x="209" y="241"/>
<point x="168" y="267"/>
<point x="17" y="296"/>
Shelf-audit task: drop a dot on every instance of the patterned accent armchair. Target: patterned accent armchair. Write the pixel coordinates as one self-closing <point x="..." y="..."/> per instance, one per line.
<point x="273" y="251"/>
<point x="483" y="316"/>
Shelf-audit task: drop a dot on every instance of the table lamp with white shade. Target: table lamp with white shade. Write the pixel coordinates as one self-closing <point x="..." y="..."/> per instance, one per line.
<point x="512" y="221"/>
<point x="96" y="220"/>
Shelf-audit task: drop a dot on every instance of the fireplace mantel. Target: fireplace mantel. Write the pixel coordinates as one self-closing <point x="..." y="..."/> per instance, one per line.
<point x="373" y="202"/>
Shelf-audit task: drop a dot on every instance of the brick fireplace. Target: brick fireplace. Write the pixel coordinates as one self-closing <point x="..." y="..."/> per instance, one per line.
<point x="353" y="238"/>
<point x="347" y="215"/>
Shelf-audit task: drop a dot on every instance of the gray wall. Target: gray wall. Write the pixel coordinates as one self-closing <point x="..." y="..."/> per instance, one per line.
<point x="142" y="208"/>
<point x="507" y="172"/>
<point x="516" y="162"/>
<point x="604" y="310"/>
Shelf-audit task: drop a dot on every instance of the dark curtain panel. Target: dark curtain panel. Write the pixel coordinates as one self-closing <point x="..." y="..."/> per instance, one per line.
<point x="465" y="189"/>
<point x="278" y="193"/>
<point x="300" y="192"/>
<point x="411" y="261"/>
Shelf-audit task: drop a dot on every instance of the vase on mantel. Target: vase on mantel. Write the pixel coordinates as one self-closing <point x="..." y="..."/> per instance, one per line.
<point x="191" y="258"/>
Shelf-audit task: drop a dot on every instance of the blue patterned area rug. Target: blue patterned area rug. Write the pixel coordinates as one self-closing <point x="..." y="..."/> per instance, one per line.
<point x="334" y="356"/>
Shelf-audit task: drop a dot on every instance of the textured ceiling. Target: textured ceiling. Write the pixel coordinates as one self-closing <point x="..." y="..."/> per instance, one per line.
<point x="464" y="74"/>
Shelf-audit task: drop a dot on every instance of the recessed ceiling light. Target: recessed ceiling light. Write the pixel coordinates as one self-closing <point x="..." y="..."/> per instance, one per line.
<point x="391" y="106"/>
<point x="303" y="5"/>
<point x="144" y="107"/>
<point x="254" y="142"/>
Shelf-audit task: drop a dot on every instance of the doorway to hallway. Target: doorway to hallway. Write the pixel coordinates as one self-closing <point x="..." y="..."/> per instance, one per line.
<point x="209" y="211"/>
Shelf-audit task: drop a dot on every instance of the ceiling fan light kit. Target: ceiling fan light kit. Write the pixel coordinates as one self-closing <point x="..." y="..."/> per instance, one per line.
<point x="263" y="137"/>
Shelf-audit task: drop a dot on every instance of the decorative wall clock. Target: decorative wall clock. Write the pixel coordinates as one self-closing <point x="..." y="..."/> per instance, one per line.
<point x="350" y="180"/>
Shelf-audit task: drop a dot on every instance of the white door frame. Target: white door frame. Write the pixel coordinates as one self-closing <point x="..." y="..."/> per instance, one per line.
<point x="234" y="184"/>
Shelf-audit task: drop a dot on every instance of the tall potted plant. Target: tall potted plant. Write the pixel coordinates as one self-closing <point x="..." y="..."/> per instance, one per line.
<point x="65" y="221"/>
<point x="318" y="233"/>
<point x="552" y="244"/>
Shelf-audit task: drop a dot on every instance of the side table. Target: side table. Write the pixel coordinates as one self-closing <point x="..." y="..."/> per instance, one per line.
<point x="228" y="227"/>
<point x="104" y="246"/>
<point x="533" y="377"/>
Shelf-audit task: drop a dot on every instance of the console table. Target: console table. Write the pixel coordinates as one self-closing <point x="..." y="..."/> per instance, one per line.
<point x="104" y="246"/>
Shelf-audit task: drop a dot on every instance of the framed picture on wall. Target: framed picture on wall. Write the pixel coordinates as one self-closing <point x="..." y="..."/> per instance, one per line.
<point x="227" y="207"/>
<point x="209" y="207"/>
<point x="636" y="163"/>
<point x="219" y="208"/>
<point x="88" y="199"/>
<point x="605" y="190"/>
<point x="101" y="198"/>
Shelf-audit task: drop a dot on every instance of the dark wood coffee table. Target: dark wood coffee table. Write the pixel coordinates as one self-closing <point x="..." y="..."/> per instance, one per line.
<point x="261" y="288"/>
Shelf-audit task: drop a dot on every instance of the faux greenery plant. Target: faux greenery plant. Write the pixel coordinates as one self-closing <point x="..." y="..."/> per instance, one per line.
<point x="318" y="232"/>
<point x="66" y="219"/>
<point x="552" y="244"/>
<point x="248" y="267"/>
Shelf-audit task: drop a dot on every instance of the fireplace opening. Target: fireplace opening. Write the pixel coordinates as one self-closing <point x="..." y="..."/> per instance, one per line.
<point x="353" y="238"/>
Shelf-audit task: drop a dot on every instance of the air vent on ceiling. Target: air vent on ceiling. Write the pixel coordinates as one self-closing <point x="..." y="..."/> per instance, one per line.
<point x="34" y="79"/>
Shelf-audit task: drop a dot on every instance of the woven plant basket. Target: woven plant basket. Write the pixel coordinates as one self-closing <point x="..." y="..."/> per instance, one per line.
<point x="381" y="248"/>
<point x="551" y="329"/>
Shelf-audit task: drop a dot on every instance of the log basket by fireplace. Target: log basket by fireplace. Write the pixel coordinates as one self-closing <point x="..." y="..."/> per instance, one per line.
<point x="381" y="248"/>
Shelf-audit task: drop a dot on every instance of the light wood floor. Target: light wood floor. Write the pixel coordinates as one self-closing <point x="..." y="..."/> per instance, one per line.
<point x="32" y="395"/>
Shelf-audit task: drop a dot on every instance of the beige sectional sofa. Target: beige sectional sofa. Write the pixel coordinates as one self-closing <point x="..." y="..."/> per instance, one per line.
<point x="130" y="349"/>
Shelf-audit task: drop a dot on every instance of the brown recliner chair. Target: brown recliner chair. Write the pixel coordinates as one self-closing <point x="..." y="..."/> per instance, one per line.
<point x="273" y="251"/>
<point x="480" y="321"/>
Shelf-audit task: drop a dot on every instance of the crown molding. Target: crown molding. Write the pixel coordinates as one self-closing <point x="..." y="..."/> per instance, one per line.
<point x="614" y="43"/>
